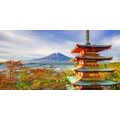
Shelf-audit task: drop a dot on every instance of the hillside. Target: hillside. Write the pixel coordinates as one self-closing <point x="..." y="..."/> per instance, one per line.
<point x="52" y="58"/>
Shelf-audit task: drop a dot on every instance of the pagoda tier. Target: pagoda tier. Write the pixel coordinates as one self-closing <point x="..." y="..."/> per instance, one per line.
<point x="95" y="83"/>
<point x="93" y="70"/>
<point x="86" y="82"/>
<point x="100" y="58"/>
<point x="90" y="48"/>
<point x="91" y="74"/>
<point x="91" y="82"/>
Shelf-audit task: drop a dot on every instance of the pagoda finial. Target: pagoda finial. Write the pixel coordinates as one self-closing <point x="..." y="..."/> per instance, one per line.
<point x="87" y="37"/>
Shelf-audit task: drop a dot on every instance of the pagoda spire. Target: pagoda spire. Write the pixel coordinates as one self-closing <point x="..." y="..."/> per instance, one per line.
<point x="87" y="37"/>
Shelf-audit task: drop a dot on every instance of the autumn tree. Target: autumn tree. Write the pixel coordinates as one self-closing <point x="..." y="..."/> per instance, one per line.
<point x="12" y="70"/>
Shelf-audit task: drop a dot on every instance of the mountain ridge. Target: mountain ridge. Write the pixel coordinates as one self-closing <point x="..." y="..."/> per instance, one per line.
<point x="52" y="58"/>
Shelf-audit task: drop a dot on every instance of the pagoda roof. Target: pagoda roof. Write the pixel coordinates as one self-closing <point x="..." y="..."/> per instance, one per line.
<point x="93" y="70"/>
<point x="100" y="58"/>
<point x="89" y="46"/>
<point x="93" y="48"/>
<point x="95" y="83"/>
<point x="74" y="80"/>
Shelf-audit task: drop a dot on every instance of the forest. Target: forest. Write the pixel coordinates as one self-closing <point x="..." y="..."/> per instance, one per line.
<point x="17" y="77"/>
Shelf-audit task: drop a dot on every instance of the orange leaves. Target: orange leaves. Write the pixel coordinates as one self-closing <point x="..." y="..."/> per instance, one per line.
<point x="11" y="64"/>
<point x="15" y="76"/>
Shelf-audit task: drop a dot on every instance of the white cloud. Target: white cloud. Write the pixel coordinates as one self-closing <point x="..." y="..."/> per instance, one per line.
<point x="115" y="42"/>
<point x="23" y="44"/>
<point x="26" y="45"/>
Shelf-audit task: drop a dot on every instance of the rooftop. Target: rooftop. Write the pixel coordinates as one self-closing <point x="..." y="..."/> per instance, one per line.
<point x="96" y="83"/>
<point x="90" y="48"/>
<point x="94" y="46"/>
<point x="74" y="80"/>
<point x="100" y="58"/>
<point x="93" y="70"/>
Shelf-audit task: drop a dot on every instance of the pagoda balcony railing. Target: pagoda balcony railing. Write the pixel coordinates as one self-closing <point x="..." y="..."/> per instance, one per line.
<point x="97" y="56"/>
<point x="88" y="65"/>
<point x="89" y="78"/>
<point x="85" y="69"/>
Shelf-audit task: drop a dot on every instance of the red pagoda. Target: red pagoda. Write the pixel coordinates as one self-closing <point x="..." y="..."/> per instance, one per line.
<point x="88" y="74"/>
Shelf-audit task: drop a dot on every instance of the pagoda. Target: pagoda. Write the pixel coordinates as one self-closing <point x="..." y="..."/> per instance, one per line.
<point x="88" y="74"/>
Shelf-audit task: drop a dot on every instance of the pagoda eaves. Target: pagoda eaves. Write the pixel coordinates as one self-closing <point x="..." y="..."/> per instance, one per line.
<point x="101" y="58"/>
<point x="90" y="48"/>
<point x="93" y="70"/>
<point x="95" y="83"/>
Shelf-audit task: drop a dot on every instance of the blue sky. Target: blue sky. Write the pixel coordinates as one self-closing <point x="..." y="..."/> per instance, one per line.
<point x="29" y="44"/>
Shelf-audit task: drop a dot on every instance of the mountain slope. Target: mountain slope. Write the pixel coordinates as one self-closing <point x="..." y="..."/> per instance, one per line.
<point x="53" y="58"/>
